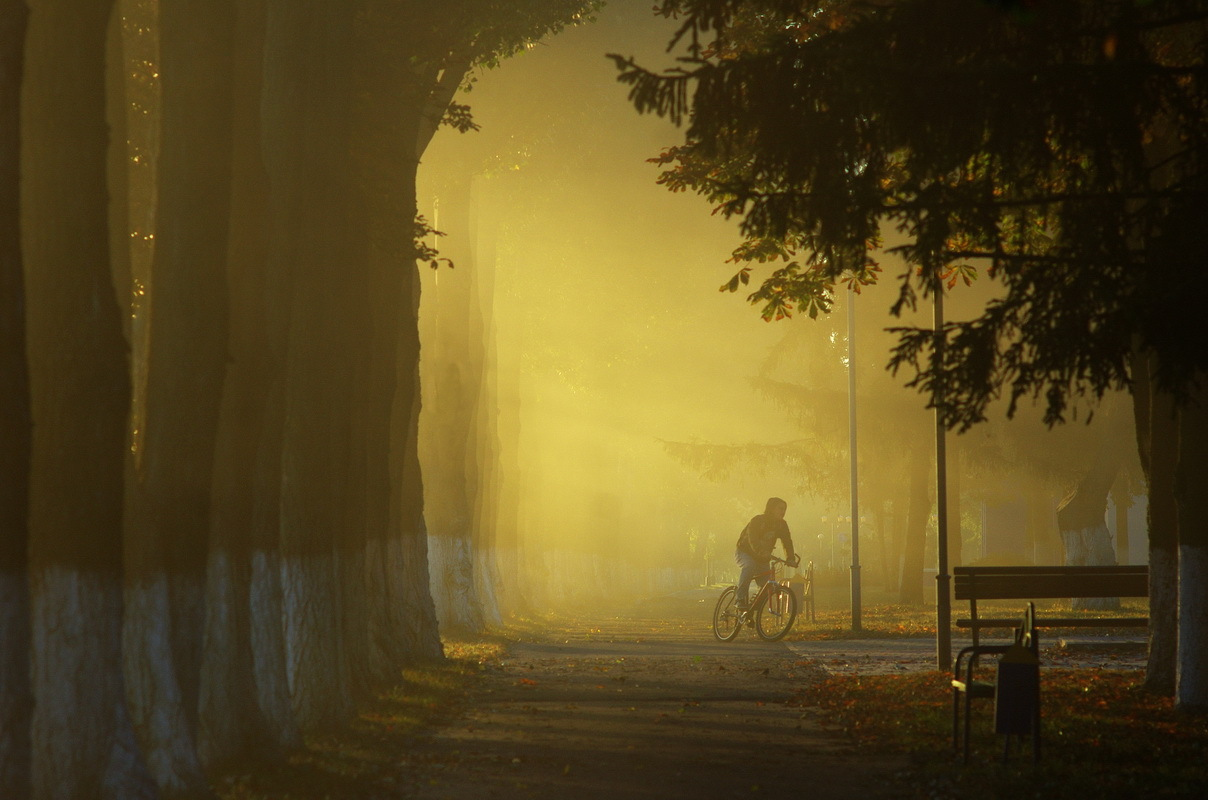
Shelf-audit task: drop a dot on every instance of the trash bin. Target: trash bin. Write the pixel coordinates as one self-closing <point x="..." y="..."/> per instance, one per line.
<point x="1017" y="691"/>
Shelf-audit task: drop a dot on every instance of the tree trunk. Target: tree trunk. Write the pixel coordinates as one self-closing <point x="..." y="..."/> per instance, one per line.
<point x="451" y="372"/>
<point x="1043" y="538"/>
<point x="507" y="549"/>
<point x="168" y="527"/>
<point x="245" y="709"/>
<point x="1082" y="518"/>
<point x="1163" y="516"/>
<point x="901" y="515"/>
<point x="15" y="425"/>
<point x="309" y="42"/>
<point x="883" y="538"/>
<point x="1156" y="424"/>
<point x="82" y="739"/>
<point x="421" y="636"/>
<point x="1122" y="501"/>
<point x="386" y="171"/>
<point x="1191" y="685"/>
<point x="913" y="560"/>
<point x="483" y="459"/>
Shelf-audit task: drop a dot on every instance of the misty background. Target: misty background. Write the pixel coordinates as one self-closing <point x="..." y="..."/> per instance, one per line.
<point x="622" y="419"/>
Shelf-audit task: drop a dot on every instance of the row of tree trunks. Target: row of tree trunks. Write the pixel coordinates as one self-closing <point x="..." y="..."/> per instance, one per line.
<point x="486" y="520"/>
<point x="253" y="559"/>
<point x="448" y="440"/>
<point x="911" y="588"/>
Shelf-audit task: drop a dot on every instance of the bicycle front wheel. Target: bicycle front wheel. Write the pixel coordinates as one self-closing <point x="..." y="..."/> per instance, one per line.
<point x="725" y="616"/>
<point x="776" y="614"/>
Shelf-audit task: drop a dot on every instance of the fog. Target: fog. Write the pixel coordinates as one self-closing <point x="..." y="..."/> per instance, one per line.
<point x="628" y="418"/>
<point x="256" y="458"/>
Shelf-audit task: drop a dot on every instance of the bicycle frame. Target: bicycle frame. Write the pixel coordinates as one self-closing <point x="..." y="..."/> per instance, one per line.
<point x="771" y="583"/>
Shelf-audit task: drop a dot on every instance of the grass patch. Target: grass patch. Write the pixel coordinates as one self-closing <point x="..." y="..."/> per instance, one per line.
<point x="363" y="759"/>
<point x="1103" y="736"/>
<point x="876" y="622"/>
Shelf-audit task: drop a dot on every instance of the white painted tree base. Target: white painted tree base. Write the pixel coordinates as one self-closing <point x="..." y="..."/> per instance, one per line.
<point x="1191" y="684"/>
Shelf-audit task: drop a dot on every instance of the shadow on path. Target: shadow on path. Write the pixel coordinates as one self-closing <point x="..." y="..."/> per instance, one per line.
<point x="632" y="711"/>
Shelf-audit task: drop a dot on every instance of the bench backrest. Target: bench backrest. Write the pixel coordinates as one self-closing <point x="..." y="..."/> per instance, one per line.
<point x="1025" y="583"/>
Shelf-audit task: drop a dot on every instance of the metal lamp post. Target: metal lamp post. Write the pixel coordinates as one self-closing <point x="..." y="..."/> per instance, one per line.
<point x="943" y="608"/>
<point x="851" y="428"/>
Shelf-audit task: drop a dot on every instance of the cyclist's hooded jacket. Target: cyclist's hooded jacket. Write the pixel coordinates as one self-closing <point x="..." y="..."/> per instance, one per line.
<point x="759" y="537"/>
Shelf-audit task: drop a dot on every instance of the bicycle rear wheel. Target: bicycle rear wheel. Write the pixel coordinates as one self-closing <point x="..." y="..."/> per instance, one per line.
<point x="776" y="614"/>
<point x="725" y="616"/>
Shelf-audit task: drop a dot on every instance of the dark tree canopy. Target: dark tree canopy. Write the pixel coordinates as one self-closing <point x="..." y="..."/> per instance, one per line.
<point x="1057" y="147"/>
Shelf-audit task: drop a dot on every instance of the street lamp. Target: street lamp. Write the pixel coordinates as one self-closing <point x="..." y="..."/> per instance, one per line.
<point x="851" y="430"/>
<point x="943" y="609"/>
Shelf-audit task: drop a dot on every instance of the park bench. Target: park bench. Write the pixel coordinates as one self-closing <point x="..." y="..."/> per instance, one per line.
<point x="802" y="585"/>
<point x="807" y="593"/>
<point x="1028" y="583"/>
<point x="1044" y="583"/>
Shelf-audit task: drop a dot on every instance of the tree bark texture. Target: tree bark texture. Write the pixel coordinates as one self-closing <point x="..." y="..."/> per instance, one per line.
<point x="1156" y="422"/>
<point x="305" y="98"/>
<point x="168" y="523"/>
<point x="911" y="590"/>
<point x="421" y="636"/>
<point x="1082" y="518"/>
<point x="82" y="739"/>
<point x="244" y="702"/>
<point x="1191" y="684"/>
<point x="1122" y="502"/>
<point x="385" y="181"/>
<point x="15" y="425"/>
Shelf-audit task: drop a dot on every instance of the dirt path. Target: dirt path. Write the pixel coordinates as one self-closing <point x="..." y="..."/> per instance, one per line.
<point x="645" y="709"/>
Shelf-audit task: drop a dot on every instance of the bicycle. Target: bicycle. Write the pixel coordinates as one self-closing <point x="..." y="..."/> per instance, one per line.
<point x="774" y="609"/>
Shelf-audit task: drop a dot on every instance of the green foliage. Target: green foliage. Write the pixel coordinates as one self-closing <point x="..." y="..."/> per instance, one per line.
<point x="484" y="32"/>
<point x="458" y="117"/>
<point x="1061" y="151"/>
<point x="425" y="252"/>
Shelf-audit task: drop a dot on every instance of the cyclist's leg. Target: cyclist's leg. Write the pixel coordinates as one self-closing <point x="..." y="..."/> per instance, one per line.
<point x="749" y="566"/>
<point x="762" y="575"/>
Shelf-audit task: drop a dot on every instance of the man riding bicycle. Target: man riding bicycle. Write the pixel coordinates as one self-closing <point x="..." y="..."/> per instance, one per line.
<point x="755" y="544"/>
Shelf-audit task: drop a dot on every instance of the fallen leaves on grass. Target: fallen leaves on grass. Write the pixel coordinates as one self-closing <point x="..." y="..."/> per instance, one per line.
<point x="1102" y="736"/>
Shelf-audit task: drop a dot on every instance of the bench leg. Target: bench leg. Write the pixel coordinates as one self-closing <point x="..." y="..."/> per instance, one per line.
<point x="968" y="709"/>
<point x="1036" y="730"/>
<point x="956" y="722"/>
